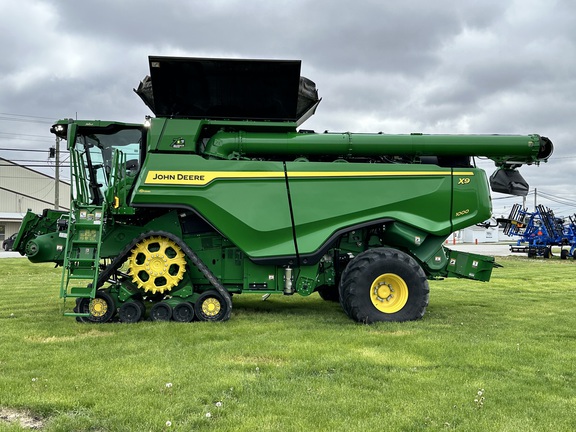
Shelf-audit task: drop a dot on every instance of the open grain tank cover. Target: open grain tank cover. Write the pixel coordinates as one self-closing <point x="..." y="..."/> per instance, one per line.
<point x="229" y="89"/>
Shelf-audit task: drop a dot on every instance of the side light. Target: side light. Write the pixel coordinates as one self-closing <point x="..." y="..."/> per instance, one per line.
<point x="147" y="122"/>
<point x="59" y="130"/>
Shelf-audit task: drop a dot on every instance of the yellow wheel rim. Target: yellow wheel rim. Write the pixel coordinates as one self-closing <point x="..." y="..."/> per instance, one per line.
<point x="389" y="293"/>
<point x="211" y="307"/>
<point x="98" y="307"/>
<point x="156" y="265"/>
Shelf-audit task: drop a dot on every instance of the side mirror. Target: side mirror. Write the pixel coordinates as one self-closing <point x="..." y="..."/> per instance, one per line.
<point x="509" y="182"/>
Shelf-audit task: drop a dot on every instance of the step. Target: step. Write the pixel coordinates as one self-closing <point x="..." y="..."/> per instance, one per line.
<point x="82" y="260"/>
<point x="81" y="273"/>
<point x="82" y="292"/>
<point x="84" y="243"/>
<point x="69" y="295"/>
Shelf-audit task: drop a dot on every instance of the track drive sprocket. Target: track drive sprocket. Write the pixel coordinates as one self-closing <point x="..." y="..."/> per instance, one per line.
<point x="156" y="264"/>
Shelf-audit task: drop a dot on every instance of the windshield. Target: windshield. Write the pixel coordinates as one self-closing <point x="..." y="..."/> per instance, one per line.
<point x="95" y="149"/>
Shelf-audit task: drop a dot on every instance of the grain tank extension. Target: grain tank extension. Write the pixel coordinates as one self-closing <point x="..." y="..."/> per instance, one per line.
<point x="220" y="193"/>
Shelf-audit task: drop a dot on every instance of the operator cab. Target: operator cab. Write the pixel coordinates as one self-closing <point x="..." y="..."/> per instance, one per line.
<point x="99" y="151"/>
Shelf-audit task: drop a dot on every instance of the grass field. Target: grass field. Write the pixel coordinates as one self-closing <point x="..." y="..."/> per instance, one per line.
<point x="497" y="356"/>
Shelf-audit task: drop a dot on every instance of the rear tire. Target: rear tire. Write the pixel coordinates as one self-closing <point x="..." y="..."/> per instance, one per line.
<point x="563" y="254"/>
<point x="211" y="306"/>
<point x="101" y="308"/>
<point x="384" y="284"/>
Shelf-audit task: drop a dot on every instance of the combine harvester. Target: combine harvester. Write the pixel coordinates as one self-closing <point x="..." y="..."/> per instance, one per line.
<point x="220" y="194"/>
<point x="539" y="231"/>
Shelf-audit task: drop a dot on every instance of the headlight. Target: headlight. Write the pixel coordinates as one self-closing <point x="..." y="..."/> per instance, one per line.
<point x="59" y="130"/>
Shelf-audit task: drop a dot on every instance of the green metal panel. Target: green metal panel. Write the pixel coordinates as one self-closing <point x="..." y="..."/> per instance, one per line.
<point x="472" y="202"/>
<point x="251" y="211"/>
<point x="39" y="237"/>
<point x="470" y="266"/>
<point x="247" y="201"/>
<point x="175" y="135"/>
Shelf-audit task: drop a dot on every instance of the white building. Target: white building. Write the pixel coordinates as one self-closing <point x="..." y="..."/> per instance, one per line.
<point x="489" y="233"/>
<point x="22" y="188"/>
<point x="477" y="234"/>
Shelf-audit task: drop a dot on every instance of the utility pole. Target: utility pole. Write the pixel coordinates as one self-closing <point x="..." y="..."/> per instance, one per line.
<point x="535" y="198"/>
<point x="57" y="176"/>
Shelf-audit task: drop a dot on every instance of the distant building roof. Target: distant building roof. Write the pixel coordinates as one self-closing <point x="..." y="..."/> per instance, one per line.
<point x="4" y="216"/>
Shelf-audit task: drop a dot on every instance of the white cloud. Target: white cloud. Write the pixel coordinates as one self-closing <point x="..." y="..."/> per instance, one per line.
<point x="397" y="67"/>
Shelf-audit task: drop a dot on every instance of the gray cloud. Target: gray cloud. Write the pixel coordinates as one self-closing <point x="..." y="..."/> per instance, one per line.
<point x="398" y="67"/>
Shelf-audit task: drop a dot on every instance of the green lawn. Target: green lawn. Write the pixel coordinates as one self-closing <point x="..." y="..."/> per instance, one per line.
<point x="295" y="364"/>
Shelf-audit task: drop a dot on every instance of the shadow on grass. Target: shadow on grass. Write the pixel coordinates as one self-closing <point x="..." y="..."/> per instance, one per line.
<point x="294" y="306"/>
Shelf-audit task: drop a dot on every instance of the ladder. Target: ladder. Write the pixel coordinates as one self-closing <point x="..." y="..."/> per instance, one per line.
<point x="82" y="255"/>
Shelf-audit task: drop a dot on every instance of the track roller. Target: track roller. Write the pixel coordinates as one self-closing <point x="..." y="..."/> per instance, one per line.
<point x="161" y="312"/>
<point x="183" y="312"/>
<point x="131" y="311"/>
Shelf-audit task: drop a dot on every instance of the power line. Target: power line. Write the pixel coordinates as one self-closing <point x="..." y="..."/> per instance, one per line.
<point x="46" y="140"/>
<point x="41" y="166"/>
<point x="558" y="201"/>
<point x="556" y="196"/>
<point x="22" y="177"/>
<point x="25" y="115"/>
<point x="23" y="120"/>
<point x="26" y="135"/>
<point x="503" y="198"/>
<point x="30" y="150"/>
<point x="531" y="193"/>
<point x="23" y="150"/>
<point x="25" y="160"/>
<point x="28" y="196"/>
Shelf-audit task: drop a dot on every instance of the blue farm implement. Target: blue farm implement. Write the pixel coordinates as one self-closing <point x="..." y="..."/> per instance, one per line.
<point x="539" y="231"/>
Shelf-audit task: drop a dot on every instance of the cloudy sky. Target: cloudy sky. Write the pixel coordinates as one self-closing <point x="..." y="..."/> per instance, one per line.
<point x="448" y="66"/>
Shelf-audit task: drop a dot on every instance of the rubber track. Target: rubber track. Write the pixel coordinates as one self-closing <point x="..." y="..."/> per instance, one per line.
<point x="195" y="259"/>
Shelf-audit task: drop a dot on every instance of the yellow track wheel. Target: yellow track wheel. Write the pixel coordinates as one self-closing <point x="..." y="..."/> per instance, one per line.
<point x="98" y="307"/>
<point x="156" y="265"/>
<point x="389" y="293"/>
<point x="211" y="306"/>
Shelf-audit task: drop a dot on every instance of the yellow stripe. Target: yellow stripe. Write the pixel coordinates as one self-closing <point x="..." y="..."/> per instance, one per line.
<point x="200" y="178"/>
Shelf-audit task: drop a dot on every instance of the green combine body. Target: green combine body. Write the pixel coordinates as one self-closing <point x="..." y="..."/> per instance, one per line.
<point x="221" y="194"/>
